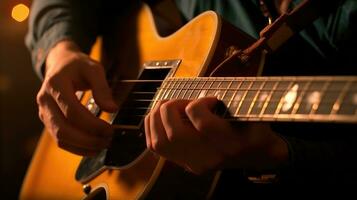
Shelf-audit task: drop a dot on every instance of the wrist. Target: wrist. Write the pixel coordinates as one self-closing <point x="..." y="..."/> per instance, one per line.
<point x="58" y="50"/>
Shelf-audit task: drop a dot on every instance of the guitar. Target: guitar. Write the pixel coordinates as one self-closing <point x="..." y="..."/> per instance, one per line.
<point x="168" y="68"/>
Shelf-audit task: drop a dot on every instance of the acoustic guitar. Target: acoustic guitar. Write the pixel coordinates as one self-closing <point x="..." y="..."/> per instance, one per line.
<point x="177" y="66"/>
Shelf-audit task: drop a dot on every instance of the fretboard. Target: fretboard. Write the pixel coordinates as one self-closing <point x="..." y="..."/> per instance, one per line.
<point x="320" y="99"/>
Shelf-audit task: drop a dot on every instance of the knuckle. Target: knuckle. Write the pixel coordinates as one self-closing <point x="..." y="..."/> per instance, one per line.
<point x="68" y="112"/>
<point x="171" y="136"/>
<point x="157" y="145"/>
<point x="149" y="146"/>
<point x="156" y="111"/>
<point x="203" y="125"/>
<point x="41" y="97"/>
<point x="59" y="133"/>
<point x="51" y="81"/>
<point x="94" y="67"/>
<point x="191" y="108"/>
<point x="41" y="115"/>
<point x="168" y="107"/>
<point x="60" y="98"/>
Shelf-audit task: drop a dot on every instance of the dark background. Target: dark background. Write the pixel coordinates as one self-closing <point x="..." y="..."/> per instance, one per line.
<point x="20" y="126"/>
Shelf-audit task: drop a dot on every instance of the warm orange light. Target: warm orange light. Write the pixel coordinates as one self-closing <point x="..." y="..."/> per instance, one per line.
<point x="20" y="12"/>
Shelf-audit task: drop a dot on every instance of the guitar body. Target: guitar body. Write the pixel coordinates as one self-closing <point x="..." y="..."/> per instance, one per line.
<point x="200" y="46"/>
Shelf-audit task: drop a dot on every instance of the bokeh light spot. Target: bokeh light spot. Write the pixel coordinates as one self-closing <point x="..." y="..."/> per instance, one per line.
<point x="20" y="12"/>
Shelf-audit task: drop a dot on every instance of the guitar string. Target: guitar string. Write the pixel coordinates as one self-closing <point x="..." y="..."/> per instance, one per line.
<point x="326" y="100"/>
<point x="150" y="107"/>
<point x="227" y="79"/>
<point x="230" y="89"/>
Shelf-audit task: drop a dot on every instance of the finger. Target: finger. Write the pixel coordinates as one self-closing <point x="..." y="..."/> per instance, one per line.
<point x="189" y="150"/>
<point x="172" y="113"/>
<point x="63" y="131"/>
<point x="64" y="95"/>
<point x="101" y="91"/>
<point x="76" y="150"/>
<point x="157" y="130"/>
<point x="200" y="114"/>
<point x="147" y="132"/>
<point x="215" y="130"/>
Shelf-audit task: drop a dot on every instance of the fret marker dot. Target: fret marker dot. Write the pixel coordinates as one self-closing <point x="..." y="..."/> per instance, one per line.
<point x="314" y="97"/>
<point x="202" y="93"/>
<point x="262" y="99"/>
<point x="218" y="94"/>
<point x="290" y="98"/>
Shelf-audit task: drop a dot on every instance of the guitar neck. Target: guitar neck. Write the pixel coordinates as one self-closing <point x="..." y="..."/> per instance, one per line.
<point x="319" y="99"/>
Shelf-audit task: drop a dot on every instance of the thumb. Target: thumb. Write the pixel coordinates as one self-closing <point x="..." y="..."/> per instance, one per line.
<point x="102" y="93"/>
<point x="201" y="110"/>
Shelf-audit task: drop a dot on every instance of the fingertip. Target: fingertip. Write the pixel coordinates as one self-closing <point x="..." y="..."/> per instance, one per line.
<point x="105" y="102"/>
<point x="212" y="101"/>
<point x="110" y="106"/>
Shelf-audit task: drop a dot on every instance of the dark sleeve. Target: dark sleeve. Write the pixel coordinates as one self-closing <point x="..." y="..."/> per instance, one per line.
<point x="54" y="20"/>
<point x="328" y="162"/>
<point x="327" y="153"/>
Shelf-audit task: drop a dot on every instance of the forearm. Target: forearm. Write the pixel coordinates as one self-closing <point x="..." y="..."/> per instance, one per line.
<point x="52" y="21"/>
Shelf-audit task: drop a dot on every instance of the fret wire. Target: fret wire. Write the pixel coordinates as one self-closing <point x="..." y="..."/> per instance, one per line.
<point x="316" y="105"/>
<point x="209" y="88"/>
<point x="340" y="118"/>
<point x="241" y="101"/>
<point x="278" y="108"/>
<point x="189" y="82"/>
<point x="165" y="91"/>
<point x="298" y="78"/>
<point x="336" y="106"/>
<point x="176" y="89"/>
<point x="198" y="89"/>
<point x="181" y="83"/>
<point x="267" y="101"/>
<point x="202" y="89"/>
<point x="217" y="89"/>
<point x="172" y="88"/>
<point x="143" y="100"/>
<point x="234" y="94"/>
<point x="300" y="98"/>
<point x="226" y="89"/>
<point x="245" y="89"/>
<point x="175" y="85"/>
<point x="181" y="86"/>
<point x="226" y="108"/>
<point x="157" y="97"/>
<point x="255" y="98"/>
<point x="189" y="97"/>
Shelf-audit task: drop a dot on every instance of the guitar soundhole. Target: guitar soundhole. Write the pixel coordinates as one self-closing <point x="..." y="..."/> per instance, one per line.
<point x="98" y="194"/>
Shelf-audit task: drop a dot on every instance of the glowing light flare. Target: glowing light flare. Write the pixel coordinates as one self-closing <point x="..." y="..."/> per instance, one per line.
<point x="20" y="12"/>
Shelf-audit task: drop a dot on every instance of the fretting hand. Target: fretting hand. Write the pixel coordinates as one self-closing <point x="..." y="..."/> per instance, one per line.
<point x="207" y="142"/>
